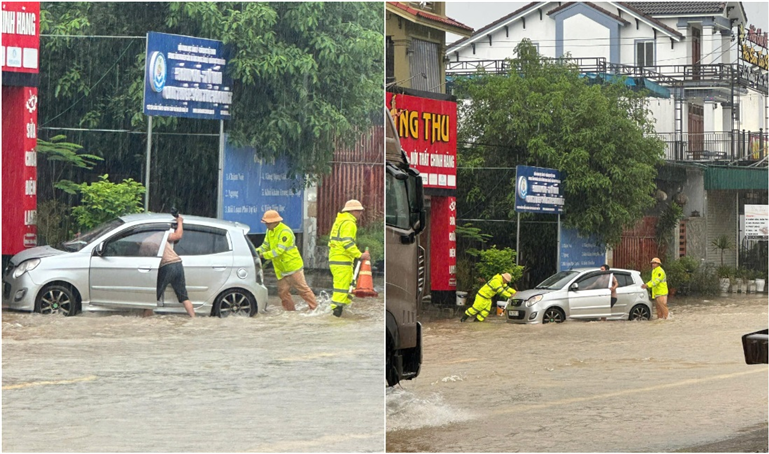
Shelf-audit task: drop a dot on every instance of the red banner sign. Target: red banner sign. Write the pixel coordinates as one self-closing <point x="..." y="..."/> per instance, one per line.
<point x="428" y="133"/>
<point x="443" y="243"/>
<point x="21" y="36"/>
<point x="19" y="169"/>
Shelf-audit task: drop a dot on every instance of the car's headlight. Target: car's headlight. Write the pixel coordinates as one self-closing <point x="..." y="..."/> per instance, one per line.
<point x="533" y="300"/>
<point x="25" y="266"/>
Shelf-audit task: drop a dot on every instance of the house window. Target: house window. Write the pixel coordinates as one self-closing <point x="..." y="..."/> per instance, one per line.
<point x="644" y="53"/>
<point x="390" y="61"/>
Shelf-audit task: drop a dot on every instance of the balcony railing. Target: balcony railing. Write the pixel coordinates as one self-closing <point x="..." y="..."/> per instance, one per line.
<point x="720" y="75"/>
<point x="722" y="147"/>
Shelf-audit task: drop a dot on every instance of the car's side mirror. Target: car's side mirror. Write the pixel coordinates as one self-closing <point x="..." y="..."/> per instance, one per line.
<point x="99" y="249"/>
<point x="574" y="287"/>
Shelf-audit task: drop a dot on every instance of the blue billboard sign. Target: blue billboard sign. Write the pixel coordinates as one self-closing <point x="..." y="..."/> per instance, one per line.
<point x="186" y="77"/>
<point x="579" y="252"/>
<point x="538" y="190"/>
<point x="252" y="187"/>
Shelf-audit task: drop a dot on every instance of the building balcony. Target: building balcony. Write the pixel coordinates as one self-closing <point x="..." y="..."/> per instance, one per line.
<point x="726" y="147"/>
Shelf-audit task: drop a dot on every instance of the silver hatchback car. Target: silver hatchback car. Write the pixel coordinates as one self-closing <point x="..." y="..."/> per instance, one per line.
<point x="581" y="294"/>
<point x="110" y="268"/>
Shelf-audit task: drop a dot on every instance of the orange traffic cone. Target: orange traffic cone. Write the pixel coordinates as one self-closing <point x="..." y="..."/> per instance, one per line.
<point x="365" y="285"/>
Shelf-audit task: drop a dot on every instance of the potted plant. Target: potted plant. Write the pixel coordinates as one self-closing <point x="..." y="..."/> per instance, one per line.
<point x="760" y="281"/>
<point x="722" y="243"/>
<point x="752" y="276"/>
<point x="725" y="274"/>
<point x="741" y="280"/>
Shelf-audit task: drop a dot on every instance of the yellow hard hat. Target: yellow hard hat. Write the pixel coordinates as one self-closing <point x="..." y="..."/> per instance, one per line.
<point x="271" y="216"/>
<point x="657" y="261"/>
<point x="506" y="277"/>
<point x="352" y="205"/>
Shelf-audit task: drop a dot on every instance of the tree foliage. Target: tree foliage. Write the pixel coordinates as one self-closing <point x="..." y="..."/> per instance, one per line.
<point x="306" y="77"/>
<point x="103" y="201"/>
<point x="542" y="113"/>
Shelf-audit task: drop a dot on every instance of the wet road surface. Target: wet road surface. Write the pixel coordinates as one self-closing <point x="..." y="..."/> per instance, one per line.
<point x="277" y="382"/>
<point x="587" y="386"/>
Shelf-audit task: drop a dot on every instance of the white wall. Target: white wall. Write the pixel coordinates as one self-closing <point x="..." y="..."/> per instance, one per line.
<point x="585" y="38"/>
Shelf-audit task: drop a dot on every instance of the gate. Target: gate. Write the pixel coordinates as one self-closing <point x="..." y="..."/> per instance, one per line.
<point x="638" y="246"/>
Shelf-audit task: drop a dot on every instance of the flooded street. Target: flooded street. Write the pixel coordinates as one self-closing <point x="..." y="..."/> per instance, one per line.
<point x="277" y="382"/>
<point x="617" y="386"/>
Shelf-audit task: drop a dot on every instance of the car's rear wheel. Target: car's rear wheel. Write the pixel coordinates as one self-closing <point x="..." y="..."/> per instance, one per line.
<point x="640" y="312"/>
<point x="553" y="315"/>
<point x="235" y="302"/>
<point x="56" y="299"/>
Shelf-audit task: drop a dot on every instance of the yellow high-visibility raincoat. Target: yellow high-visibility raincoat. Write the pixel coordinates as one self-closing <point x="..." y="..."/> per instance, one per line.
<point x="482" y="304"/>
<point x="280" y="246"/>
<point x="659" y="282"/>
<point x="342" y="251"/>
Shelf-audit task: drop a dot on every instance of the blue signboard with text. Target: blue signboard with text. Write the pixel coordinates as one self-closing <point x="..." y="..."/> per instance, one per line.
<point x="252" y="187"/>
<point x="579" y="252"/>
<point x="186" y="77"/>
<point x="538" y="190"/>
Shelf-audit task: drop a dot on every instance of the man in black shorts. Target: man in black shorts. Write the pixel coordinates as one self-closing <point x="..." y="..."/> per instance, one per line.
<point x="171" y="271"/>
<point x="614" y="285"/>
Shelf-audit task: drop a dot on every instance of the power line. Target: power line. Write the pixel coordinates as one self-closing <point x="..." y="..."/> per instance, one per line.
<point x="92" y="86"/>
<point x="128" y="131"/>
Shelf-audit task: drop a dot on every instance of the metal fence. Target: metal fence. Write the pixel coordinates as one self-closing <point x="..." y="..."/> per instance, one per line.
<point x="357" y="173"/>
<point x="727" y="146"/>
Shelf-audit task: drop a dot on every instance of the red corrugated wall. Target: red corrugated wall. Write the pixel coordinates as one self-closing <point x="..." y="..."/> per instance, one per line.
<point x="638" y="246"/>
<point x="357" y="173"/>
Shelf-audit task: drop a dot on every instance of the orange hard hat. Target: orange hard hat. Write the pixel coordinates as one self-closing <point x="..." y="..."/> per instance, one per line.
<point x="657" y="261"/>
<point x="271" y="216"/>
<point x="507" y="277"/>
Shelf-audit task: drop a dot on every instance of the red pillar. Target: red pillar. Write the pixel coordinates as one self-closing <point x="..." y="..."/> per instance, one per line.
<point x="19" y="168"/>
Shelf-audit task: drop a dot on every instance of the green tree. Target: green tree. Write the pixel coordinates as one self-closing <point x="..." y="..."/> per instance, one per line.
<point x="103" y="201"/>
<point x="306" y="78"/>
<point x="543" y="113"/>
<point x="495" y="261"/>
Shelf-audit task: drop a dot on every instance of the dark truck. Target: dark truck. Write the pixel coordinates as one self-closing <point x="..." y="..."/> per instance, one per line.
<point x="754" y="346"/>
<point x="405" y="279"/>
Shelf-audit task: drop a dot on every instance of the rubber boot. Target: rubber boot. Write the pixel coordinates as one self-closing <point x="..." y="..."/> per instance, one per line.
<point x="464" y="318"/>
<point x="338" y="311"/>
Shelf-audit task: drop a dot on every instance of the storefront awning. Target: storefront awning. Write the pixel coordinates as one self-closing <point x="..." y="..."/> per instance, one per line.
<point x="736" y="178"/>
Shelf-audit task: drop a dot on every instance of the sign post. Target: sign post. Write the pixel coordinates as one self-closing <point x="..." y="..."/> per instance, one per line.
<point x="537" y="190"/>
<point x="186" y="77"/>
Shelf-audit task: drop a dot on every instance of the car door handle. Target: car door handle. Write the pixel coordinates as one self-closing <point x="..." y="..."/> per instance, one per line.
<point x="219" y="268"/>
<point x="144" y="270"/>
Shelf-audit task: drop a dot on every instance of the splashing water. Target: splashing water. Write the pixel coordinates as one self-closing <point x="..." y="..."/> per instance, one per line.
<point x="406" y="411"/>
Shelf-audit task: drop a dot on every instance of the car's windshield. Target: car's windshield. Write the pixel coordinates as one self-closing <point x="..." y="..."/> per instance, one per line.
<point x="558" y="280"/>
<point x="81" y="240"/>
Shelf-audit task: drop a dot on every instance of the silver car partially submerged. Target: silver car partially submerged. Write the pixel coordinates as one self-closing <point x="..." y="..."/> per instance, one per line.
<point x="111" y="268"/>
<point x="581" y="294"/>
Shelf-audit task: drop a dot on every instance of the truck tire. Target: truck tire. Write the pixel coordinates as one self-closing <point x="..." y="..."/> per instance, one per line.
<point x="391" y="374"/>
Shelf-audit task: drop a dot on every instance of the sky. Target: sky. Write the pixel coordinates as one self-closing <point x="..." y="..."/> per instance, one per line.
<point x="480" y="14"/>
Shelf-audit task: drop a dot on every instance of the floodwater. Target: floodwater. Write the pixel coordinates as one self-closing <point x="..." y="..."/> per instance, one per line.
<point x="586" y="386"/>
<point x="277" y="382"/>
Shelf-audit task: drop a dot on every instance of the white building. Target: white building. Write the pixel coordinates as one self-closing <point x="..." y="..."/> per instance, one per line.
<point x="690" y="48"/>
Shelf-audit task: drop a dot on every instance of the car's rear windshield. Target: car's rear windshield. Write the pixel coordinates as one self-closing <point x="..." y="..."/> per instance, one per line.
<point x="81" y="240"/>
<point x="558" y="280"/>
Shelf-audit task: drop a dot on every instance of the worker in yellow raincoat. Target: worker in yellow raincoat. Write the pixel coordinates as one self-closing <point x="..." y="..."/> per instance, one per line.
<point x="280" y="247"/>
<point x="497" y="285"/>
<point x="342" y="252"/>
<point x="659" y="286"/>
